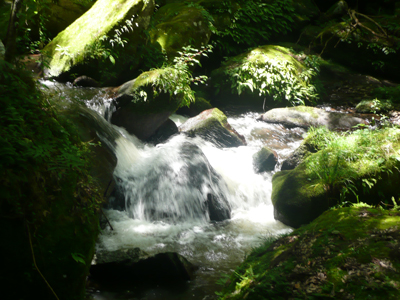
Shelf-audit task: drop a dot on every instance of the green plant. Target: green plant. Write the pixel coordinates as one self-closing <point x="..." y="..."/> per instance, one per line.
<point x="276" y="78"/>
<point x="176" y="78"/>
<point x="352" y="163"/>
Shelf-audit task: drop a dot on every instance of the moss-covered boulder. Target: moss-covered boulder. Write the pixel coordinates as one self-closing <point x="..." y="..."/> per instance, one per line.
<point x="348" y="168"/>
<point x="348" y="253"/>
<point x="80" y="47"/>
<point x="305" y="117"/>
<point x="177" y="25"/>
<point x="213" y="126"/>
<point x="376" y="106"/>
<point x="142" y="105"/>
<point x="258" y="77"/>
<point x="264" y="160"/>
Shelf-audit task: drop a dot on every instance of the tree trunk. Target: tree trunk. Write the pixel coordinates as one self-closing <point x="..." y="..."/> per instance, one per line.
<point x="11" y="37"/>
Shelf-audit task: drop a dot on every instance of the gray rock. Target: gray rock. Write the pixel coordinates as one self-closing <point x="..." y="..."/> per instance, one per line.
<point x="264" y="160"/>
<point x="305" y="117"/>
<point x="212" y="125"/>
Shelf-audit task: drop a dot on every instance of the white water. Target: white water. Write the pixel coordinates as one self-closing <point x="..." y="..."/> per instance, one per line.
<point x="153" y="181"/>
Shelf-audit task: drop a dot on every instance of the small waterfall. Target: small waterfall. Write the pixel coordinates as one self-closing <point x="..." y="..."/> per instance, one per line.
<point x="166" y="191"/>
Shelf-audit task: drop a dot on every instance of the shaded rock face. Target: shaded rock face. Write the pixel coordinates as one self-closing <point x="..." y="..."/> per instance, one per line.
<point x="142" y="117"/>
<point x="122" y="267"/>
<point x="63" y="13"/>
<point x="164" y="132"/>
<point x="195" y="191"/>
<point x="303" y="116"/>
<point x="264" y="160"/>
<point x="212" y="125"/>
<point x="93" y="128"/>
<point x="298" y="156"/>
<point x="295" y="202"/>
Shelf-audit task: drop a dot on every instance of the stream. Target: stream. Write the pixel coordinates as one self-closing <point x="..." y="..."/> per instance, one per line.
<point x="160" y="218"/>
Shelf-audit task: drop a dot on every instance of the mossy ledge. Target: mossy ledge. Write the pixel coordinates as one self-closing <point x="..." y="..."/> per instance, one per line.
<point x="347" y="253"/>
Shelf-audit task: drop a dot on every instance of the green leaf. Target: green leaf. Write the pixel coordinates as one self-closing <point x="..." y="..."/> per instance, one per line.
<point x="78" y="257"/>
<point x="112" y="59"/>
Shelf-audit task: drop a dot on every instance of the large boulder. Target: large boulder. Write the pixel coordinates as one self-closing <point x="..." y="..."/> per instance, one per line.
<point x="212" y="125"/>
<point x="305" y="117"/>
<point x="79" y="48"/>
<point x="126" y="267"/>
<point x="258" y="77"/>
<point x="143" y="115"/>
<point x="347" y="253"/>
<point x="62" y="13"/>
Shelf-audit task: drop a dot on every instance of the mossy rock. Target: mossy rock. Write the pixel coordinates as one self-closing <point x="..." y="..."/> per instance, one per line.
<point x="179" y="25"/>
<point x="352" y="168"/>
<point x="143" y="116"/>
<point x="376" y="106"/>
<point x="63" y="13"/>
<point x="347" y="253"/>
<point x="272" y="59"/>
<point x="79" y="44"/>
<point x="213" y="126"/>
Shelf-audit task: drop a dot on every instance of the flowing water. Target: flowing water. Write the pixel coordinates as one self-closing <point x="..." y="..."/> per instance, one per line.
<point x="164" y="186"/>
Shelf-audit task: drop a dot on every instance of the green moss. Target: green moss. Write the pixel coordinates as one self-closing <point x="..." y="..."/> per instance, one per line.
<point x="347" y="167"/>
<point x="70" y="47"/>
<point x="345" y="253"/>
<point x="179" y="25"/>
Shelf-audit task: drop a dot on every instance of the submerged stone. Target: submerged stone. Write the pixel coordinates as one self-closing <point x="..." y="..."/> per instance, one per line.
<point x="264" y="160"/>
<point x="127" y="267"/>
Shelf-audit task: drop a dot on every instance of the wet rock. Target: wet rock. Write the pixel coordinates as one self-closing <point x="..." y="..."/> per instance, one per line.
<point x="298" y="155"/>
<point x="264" y="160"/>
<point x="143" y="116"/>
<point x="217" y="211"/>
<point x="128" y="267"/>
<point x="85" y="81"/>
<point x="212" y="125"/>
<point x="304" y="116"/>
<point x="164" y="132"/>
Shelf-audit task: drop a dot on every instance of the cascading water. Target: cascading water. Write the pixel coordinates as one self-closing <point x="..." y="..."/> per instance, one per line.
<point x="166" y="191"/>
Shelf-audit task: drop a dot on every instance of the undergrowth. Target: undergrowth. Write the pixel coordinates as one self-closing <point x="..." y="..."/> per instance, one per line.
<point x="344" y="158"/>
<point x="348" y="253"/>
<point x="42" y="159"/>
